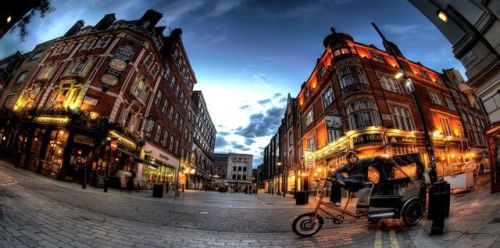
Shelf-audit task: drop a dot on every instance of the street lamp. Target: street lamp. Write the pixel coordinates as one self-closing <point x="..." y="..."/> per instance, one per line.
<point x="411" y="91"/>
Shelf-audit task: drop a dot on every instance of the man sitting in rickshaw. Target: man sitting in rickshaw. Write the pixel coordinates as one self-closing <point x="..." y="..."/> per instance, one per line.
<point x="353" y="181"/>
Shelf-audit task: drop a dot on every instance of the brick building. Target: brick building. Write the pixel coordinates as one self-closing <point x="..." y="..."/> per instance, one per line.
<point x="352" y="101"/>
<point x="115" y="96"/>
<point x="203" y="144"/>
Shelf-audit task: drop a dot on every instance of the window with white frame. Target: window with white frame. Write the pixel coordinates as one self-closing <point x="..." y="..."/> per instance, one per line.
<point x="103" y="41"/>
<point x="311" y="143"/>
<point x="333" y="135"/>
<point x="88" y="44"/>
<point x="172" y="82"/>
<point x="351" y="75"/>
<point x="449" y="103"/>
<point x="328" y="97"/>
<point x="402" y="118"/>
<point x="21" y="77"/>
<point x="176" y="118"/>
<point x="389" y="83"/>
<point x="158" y="97"/>
<point x="435" y="97"/>
<point x="377" y="57"/>
<point x="321" y="71"/>
<point x="167" y="71"/>
<point x="165" y="107"/>
<point x="171" y="113"/>
<point x="363" y="113"/>
<point x="309" y="117"/>
<point x="164" y="139"/>
<point x="148" y="128"/>
<point x="425" y="75"/>
<point x="158" y="133"/>
<point x="140" y="88"/>
<point x="171" y="144"/>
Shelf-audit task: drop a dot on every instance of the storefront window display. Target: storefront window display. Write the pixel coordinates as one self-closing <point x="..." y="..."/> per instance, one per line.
<point x="159" y="175"/>
<point x="35" y="149"/>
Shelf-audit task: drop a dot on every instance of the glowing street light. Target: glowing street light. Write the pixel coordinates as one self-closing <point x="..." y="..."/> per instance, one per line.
<point x="442" y="15"/>
<point x="399" y="75"/>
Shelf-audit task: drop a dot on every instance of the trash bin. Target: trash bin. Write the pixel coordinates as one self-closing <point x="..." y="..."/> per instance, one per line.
<point x="301" y="198"/>
<point x="158" y="190"/>
<point x="439" y="200"/>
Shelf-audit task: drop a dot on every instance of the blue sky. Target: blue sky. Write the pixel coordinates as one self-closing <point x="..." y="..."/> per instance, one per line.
<point x="248" y="54"/>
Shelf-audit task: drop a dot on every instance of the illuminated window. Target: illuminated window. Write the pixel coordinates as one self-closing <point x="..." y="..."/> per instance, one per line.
<point x="389" y="83"/>
<point x="309" y="117"/>
<point x="363" y="113"/>
<point x="401" y="118"/>
<point x="311" y="143"/>
<point x="140" y="89"/>
<point x="351" y="75"/>
<point x="445" y="124"/>
<point x="46" y="72"/>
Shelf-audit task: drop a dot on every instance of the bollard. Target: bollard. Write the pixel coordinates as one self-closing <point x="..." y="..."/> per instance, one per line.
<point x="84" y="179"/>
<point x="105" y="186"/>
<point x="439" y="205"/>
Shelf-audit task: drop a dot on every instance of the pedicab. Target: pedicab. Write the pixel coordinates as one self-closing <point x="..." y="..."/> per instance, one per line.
<point x="386" y="188"/>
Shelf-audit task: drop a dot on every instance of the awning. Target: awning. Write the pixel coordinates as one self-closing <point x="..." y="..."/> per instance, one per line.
<point x="137" y="158"/>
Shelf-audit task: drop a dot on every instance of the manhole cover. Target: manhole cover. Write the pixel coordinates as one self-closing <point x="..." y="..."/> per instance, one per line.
<point x="495" y="220"/>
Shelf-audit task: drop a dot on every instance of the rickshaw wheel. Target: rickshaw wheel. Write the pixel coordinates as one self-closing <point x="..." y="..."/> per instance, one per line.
<point x="413" y="212"/>
<point x="307" y="224"/>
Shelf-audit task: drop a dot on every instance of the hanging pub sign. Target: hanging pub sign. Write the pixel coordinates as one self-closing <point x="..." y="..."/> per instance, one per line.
<point x="117" y="65"/>
<point x="368" y="139"/>
<point x="309" y="159"/>
<point x="333" y="122"/>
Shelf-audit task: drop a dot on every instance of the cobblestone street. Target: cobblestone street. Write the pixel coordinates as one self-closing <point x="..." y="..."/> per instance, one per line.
<point x="41" y="212"/>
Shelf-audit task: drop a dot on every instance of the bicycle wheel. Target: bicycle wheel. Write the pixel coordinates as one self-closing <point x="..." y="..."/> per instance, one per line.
<point x="307" y="224"/>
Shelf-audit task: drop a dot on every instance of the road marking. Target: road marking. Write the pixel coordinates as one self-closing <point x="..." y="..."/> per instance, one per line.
<point x="203" y="212"/>
<point x="378" y="238"/>
<point x="394" y="239"/>
<point x="6" y="179"/>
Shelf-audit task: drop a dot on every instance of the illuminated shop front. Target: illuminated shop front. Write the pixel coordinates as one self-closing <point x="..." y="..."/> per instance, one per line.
<point x="159" y="168"/>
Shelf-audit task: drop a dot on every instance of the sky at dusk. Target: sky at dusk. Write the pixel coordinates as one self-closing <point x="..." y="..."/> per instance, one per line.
<point x="247" y="55"/>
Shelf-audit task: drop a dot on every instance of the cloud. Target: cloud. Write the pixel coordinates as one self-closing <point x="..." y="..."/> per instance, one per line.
<point x="277" y="95"/>
<point x="240" y="147"/>
<point x="222" y="133"/>
<point x="283" y="99"/>
<point x="264" y="101"/>
<point x="249" y="141"/>
<point x="245" y="107"/>
<point x="262" y="125"/>
<point x="220" y="141"/>
<point x="401" y="29"/>
<point x="262" y="79"/>
<point x="294" y="9"/>
<point x="218" y="8"/>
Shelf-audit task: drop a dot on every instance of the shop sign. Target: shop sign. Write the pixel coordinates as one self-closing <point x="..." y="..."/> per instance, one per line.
<point x="367" y="139"/>
<point x="61" y="120"/>
<point x="82" y="139"/>
<point x="309" y="159"/>
<point x="123" y="140"/>
<point x="164" y="156"/>
<point x="401" y="140"/>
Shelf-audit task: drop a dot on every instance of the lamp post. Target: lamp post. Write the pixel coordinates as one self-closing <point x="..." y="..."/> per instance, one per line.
<point x="411" y="91"/>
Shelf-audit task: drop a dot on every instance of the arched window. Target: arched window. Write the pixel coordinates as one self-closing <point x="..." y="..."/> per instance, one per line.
<point x="351" y="75"/>
<point x="363" y="113"/>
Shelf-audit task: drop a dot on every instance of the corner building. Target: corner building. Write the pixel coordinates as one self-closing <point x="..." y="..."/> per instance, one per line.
<point x="114" y="97"/>
<point x="352" y="101"/>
